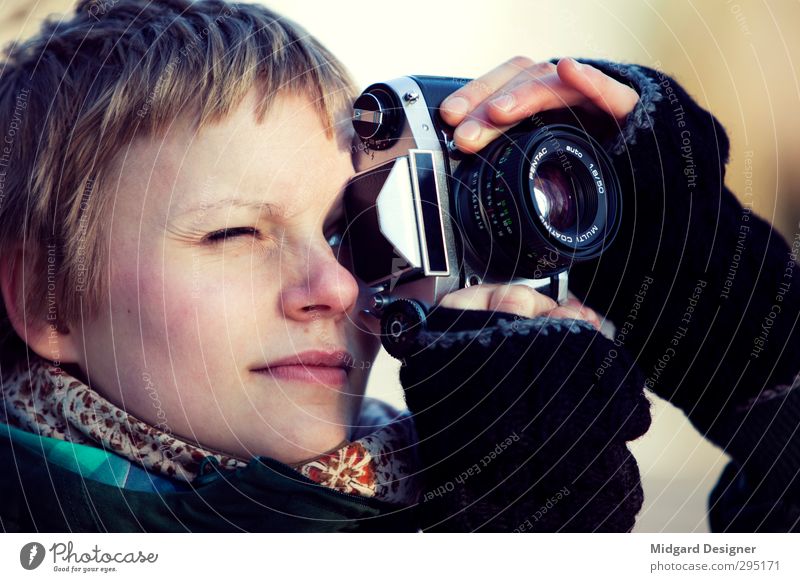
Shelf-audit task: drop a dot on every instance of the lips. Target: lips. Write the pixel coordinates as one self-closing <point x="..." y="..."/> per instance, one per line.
<point x="338" y="359"/>
<point x="313" y="367"/>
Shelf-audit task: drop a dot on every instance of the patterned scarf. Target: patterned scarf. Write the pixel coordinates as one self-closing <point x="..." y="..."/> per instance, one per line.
<point x="45" y="400"/>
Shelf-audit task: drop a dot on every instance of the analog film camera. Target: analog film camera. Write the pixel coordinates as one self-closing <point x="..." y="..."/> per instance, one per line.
<point x="423" y="219"/>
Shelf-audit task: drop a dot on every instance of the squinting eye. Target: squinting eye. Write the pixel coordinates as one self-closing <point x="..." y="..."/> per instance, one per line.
<point x="226" y="233"/>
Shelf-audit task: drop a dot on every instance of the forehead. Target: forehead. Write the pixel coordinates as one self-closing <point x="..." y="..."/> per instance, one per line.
<point x="286" y="160"/>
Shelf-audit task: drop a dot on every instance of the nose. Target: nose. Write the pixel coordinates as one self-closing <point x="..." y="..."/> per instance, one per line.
<point x="319" y="287"/>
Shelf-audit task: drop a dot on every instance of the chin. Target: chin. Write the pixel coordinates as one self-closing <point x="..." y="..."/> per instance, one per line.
<point x="312" y="431"/>
<point x="312" y="445"/>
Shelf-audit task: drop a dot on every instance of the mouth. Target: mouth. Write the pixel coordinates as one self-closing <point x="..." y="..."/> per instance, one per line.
<point x="320" y="368"/>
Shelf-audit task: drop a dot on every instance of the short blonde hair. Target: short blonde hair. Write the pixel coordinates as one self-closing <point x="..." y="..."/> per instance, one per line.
<point x="72" y="97"/>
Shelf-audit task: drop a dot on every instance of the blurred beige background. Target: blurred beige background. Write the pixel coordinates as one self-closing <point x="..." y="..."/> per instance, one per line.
<point x="737" y="58"/>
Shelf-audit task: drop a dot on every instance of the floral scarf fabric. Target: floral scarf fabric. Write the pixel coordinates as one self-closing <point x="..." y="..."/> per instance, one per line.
<point x="43" y="399"/>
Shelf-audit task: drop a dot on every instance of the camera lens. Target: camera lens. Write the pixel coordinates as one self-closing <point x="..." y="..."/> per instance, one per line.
<point x="532" y="203"/>
<point x="563" y="197"/>
<point x="555" y="196"/>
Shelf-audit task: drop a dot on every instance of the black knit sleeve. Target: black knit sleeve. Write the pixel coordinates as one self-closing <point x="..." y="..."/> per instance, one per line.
<point x="705" y="295"/>
<point x="523" y="424"/>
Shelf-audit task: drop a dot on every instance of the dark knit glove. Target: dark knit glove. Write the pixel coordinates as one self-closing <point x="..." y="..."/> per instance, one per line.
<point x="523" y="425"/>
<point x="704" y="293"/>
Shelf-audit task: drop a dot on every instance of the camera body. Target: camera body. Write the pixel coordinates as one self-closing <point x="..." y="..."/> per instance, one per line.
<point x="424" y="219"/>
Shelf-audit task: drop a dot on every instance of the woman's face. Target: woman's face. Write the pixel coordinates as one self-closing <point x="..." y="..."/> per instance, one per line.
<point x="220" y="266"/>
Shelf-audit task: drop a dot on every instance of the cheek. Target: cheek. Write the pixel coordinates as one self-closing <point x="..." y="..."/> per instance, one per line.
<point x="176" y="306"/>
<point x="154" y="299"/>
<point x="201" y="304"/>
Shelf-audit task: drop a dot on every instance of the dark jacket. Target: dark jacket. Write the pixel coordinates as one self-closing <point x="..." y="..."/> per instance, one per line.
<point x="523" y="423"/>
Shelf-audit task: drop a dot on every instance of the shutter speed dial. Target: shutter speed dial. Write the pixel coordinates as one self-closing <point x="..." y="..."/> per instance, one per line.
<point x="376" y="117"/>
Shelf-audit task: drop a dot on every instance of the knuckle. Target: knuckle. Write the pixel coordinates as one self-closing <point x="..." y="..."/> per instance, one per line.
<point x="521" y="62"/>
<point x="514" y="296"/>
<point x="565" y="312"/>
<point x="477" y="88"/>
<point x="531" y="89"/>
<point x="542" y="68"/>
<point x="510" y="306"/>
<point x="543" y="305"/>
<point x="520" y="292"/>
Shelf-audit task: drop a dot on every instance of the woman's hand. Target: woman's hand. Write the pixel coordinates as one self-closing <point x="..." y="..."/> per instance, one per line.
<point x="519" y="300"/>
<point x="488" y="106"/>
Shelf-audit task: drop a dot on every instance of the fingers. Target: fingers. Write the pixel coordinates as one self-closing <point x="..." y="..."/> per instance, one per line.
<point x="606" y="93"/>
<point x="475" y="297"/>
<point x="519" y="300"/>
<point x="529" y="96"/>
<point x="475" y="127"/>
<point x="455" y="108"/>
<point x="571" y="311"/>
<point x="516" y="299"/>
<point x="488" y="106"/>
<point x="519" y="99"/>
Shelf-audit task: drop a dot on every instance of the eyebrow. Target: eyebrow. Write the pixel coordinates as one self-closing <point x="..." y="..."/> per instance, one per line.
<point x="268" y="207"/>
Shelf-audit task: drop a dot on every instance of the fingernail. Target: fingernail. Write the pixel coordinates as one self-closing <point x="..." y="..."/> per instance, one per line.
<point x="456" y="105"/>
<point x="578" y="66"/>
<point x="469" y="130"/>
<point x="505" y="102"/>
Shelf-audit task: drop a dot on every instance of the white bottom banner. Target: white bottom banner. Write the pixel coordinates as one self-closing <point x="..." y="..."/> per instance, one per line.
<point x="389" y="557"/>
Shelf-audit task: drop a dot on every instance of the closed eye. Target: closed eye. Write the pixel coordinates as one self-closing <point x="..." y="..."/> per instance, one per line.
<point x="227" y="233"/>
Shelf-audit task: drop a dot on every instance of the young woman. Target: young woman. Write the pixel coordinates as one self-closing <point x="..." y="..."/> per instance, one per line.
<point x="185" y="353"/>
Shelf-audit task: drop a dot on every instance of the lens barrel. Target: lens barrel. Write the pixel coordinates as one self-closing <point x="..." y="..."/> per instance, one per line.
<point x="532" y="203"/>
